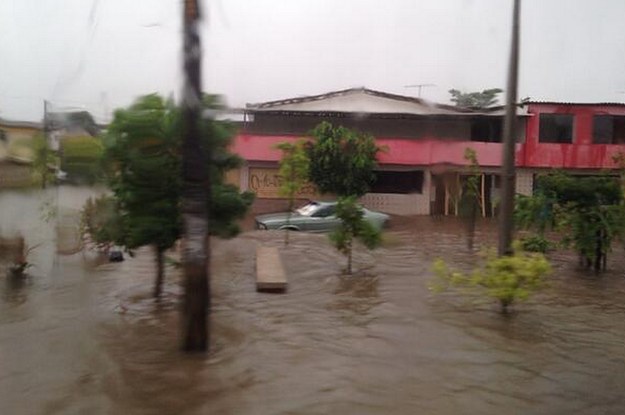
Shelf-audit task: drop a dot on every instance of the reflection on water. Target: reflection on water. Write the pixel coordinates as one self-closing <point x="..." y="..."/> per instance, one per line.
<point x="79" y="337"/>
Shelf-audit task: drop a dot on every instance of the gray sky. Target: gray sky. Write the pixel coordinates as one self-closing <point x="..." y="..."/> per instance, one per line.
<point x="100" y="54"/>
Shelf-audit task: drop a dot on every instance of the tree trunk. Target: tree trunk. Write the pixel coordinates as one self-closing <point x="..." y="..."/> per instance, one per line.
<point x="598" y="251"/>
<point x="288" y="222"/>
<point x="471" y="221"/>
<point x="160" y="271"/>
<point x="195" y="193"/>
<point x="349" y="258"/>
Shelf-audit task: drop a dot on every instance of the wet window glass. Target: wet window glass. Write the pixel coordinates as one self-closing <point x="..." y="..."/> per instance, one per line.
<point x="556" y="128"/>
<point x="608" y="129"/>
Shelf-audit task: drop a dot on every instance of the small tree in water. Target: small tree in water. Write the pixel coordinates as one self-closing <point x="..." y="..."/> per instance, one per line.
<point x="507" y="278"/>
<point x="352" y="227"/>
<point x="588" y="210"/>
<point x="471" y="201"/>
<point x="342" y="162"/>
<point x="294" y="174"/>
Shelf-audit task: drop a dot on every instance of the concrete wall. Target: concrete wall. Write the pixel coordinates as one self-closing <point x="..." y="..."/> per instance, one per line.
<point x="524" y="181"/>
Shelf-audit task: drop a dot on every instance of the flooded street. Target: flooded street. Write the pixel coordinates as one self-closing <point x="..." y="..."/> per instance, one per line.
<point x="81" y="338"/>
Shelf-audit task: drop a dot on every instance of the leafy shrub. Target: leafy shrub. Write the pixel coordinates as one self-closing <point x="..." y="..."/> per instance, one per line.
<point x="506" y="278"/>
<point x="536" y="243"/>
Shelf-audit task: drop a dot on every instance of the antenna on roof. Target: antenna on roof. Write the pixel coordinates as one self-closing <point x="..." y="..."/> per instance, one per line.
<point x="420" y="87"/>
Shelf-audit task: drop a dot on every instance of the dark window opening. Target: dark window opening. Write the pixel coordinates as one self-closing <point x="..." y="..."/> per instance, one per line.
<point x="608" y="129"/>
<point x="556" y="128"/>
<point x="487" y="130"/>
<point x="401" y="182"/>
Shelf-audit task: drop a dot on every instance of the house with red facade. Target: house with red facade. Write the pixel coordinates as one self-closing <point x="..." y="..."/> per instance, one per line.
<point x="422" y="169"/>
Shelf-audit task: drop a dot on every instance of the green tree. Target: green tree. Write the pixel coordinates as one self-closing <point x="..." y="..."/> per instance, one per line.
<point x="588" y="211"/>
<point x="294" y="166"/>
<point x="101" y="222"/>
<point x="352" y="227"/>
<point x="475" y="100"/>
<point x="144" y="175"/>
<point x="507" y="278"/>
<point x="342" y="161"/>
<point x="142" y="160"/>
<point x="470" y="202"/>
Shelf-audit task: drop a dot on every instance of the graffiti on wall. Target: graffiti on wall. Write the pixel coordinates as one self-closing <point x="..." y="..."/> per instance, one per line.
<point x="265" y="182"/>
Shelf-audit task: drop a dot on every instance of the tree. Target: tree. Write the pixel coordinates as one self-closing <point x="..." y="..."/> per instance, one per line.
<point x="352" y="227"/>
<point x="294" y="166"/>
<point x="587" y="210"/>
<point x="142" y="161"/>
<point x="342" y="161"/>
<point x="507" y="278"/>
<point x="475" y="100"/>
<point x="471" y="200"/>
<point x="101" y="224"/>
<point x="144" y="175"/>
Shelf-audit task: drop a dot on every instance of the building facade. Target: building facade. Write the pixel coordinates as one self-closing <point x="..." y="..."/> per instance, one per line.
<point x="423" y="169"/>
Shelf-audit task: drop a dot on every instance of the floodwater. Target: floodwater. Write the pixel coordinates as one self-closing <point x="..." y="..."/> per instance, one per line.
<point x="83" y="337"/>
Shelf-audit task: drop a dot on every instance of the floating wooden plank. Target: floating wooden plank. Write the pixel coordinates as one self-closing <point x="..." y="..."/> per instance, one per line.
<point x="270" y="275"/>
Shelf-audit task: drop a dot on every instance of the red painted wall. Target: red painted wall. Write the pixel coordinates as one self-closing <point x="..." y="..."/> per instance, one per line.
<point x="581" y="154"/>
<point x="398" y="151"/>
<point x="430" y="150"/>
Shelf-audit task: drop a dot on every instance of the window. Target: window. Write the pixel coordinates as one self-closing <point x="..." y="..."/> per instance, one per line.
<point x="608" y="129"/>
<point x="486" y="130"/>
<point x="398" y="182"/>
<point x="556" y="128"/>
<point x="324" y="212"/>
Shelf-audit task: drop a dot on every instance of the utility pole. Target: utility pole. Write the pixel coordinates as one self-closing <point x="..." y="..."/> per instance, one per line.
<point x="195" y="191"/>
<point x="508" y="173"/>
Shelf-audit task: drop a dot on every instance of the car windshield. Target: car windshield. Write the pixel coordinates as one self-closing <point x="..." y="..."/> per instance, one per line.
<point x="308" y="209"/>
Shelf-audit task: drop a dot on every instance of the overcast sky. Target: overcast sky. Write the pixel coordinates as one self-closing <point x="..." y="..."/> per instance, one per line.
<point x="100" y="54"/>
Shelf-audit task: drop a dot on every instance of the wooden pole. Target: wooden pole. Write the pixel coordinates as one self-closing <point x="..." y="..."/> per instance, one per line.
<point x="483" y="198"/>
<point x="195" y="191"/>
<point x="508" y="169"/>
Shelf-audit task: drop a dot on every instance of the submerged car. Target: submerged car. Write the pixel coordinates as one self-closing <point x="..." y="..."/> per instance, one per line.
<point x="315" y="216"/>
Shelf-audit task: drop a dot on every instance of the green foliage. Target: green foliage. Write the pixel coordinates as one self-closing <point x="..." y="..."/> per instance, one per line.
<point x="143" y="172"/>
<point x="142" y="161"/>
<point x="475" y="100"/>
<point x="81" y="158"/>
<point x="535" y="212"/>
<point x="471" y="202"/>
<point x="294" y="166"/>
<point x="101" y="223"/>
<point x="227" y="204"/>
<point x="587" y="210"/>
<point x="353" y="226"/>
<point x="536" y="243"/>
<point x="506" y="278"/>
<point x="342" y="161"/>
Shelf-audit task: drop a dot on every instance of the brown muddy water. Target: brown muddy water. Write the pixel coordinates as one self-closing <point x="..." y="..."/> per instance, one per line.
<point x="81" y="338"/>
